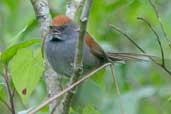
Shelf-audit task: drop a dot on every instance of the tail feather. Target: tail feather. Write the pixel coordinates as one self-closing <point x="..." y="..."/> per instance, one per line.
<point x="129" y="57"/>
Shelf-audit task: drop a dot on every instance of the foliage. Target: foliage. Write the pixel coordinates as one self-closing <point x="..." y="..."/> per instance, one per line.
<point x="32" y="65"/>
<point x="143" y="86"/>
<point x="7" y="55"/>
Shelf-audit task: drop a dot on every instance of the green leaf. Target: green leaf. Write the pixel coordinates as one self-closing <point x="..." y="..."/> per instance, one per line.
<point x="24" y="31"/>
<point x="44" y="109"/>
<point x="7" y="55"/>
<point x="90" y="109"/>
<point x="98" y="78"/>
<point x="26" y="69"/>
<point x="19" y="34"/>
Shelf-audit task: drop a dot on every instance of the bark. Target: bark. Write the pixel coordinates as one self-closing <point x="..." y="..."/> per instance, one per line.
<point x="51" y="78"/>
<point x="78" y="56"/>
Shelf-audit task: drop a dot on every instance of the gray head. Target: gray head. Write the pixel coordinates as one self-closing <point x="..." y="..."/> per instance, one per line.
<point x="62" y="28"/>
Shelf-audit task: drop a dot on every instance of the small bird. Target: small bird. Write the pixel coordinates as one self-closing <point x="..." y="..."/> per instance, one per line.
<point x="60" y="49"/>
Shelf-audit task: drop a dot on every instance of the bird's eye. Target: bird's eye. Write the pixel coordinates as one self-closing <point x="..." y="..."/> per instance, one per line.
<point x="51" y="27"/>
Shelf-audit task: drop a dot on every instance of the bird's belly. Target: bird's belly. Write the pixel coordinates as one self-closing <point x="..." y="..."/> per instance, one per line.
<point x="61" y="58"/>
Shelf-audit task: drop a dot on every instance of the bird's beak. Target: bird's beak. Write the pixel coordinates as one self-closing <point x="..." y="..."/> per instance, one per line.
<point x="77" y="30"/>
<point x="56" y="34"/>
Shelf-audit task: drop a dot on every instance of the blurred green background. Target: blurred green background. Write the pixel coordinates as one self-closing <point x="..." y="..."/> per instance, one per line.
<point x="145" y="87"/>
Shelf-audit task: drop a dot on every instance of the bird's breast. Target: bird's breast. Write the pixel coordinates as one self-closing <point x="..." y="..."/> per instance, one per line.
<point x="61" y="57"/>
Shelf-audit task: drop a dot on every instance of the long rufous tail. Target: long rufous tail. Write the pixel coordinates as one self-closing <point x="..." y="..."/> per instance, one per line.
<point x="129" y="57"/>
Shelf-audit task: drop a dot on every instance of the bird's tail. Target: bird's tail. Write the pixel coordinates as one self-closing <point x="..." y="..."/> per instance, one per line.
<point x="129" y="57"/>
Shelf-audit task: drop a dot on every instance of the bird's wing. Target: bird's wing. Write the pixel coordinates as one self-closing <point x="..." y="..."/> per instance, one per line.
<point x="111" y="56"/>
<point x="94" y="47"/>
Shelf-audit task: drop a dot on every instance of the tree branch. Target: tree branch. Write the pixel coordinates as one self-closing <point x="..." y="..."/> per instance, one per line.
<point x="142" y="50"/>
<point x="130" y="39"/>
<point x="157" y="36"/>
<point x="69" y="88"/>
<point x="51" y="78"/>
<point x="11" y="97"/>
<point x="42" y="13"/>
<point x="160" y="45"/>
<point x="117" y="89"/>
<point x="78" y="56"/>
<point x="72" y="7"/>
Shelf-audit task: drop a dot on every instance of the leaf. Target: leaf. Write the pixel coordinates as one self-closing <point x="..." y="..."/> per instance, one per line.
<point x="24" y="31"/>
<point x="90" y="109"/>
<point x="15" y="38"/>
<point x="7" y="55"/>
<point x="98" y="78"/>
<point x="44" y="109"/>
<point x="26" y="69"/>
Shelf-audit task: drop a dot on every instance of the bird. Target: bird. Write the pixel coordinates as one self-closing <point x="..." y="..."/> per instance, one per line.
<point x="60" y="48"/>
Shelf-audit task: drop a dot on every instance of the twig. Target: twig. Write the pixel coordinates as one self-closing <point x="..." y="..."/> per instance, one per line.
<point x="143" y="51"/>
<point x="161" y="48"/>
<point x="160" y="21"/>
<point x="79" y="54"/>
<point x="135" y="44"/>
<point x="129" y="38"/>
<point x="69" y="88"/>
<point x="157" y="36"/>
<point x="167" y="70"/>
<point x="117" y="89"/>
<point x="51" y="78"/>
<point x="11" y="100"/>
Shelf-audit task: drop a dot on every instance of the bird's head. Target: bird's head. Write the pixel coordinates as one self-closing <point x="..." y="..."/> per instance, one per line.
<point x="60" y="20"/>
<point x="62" y="26"/>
